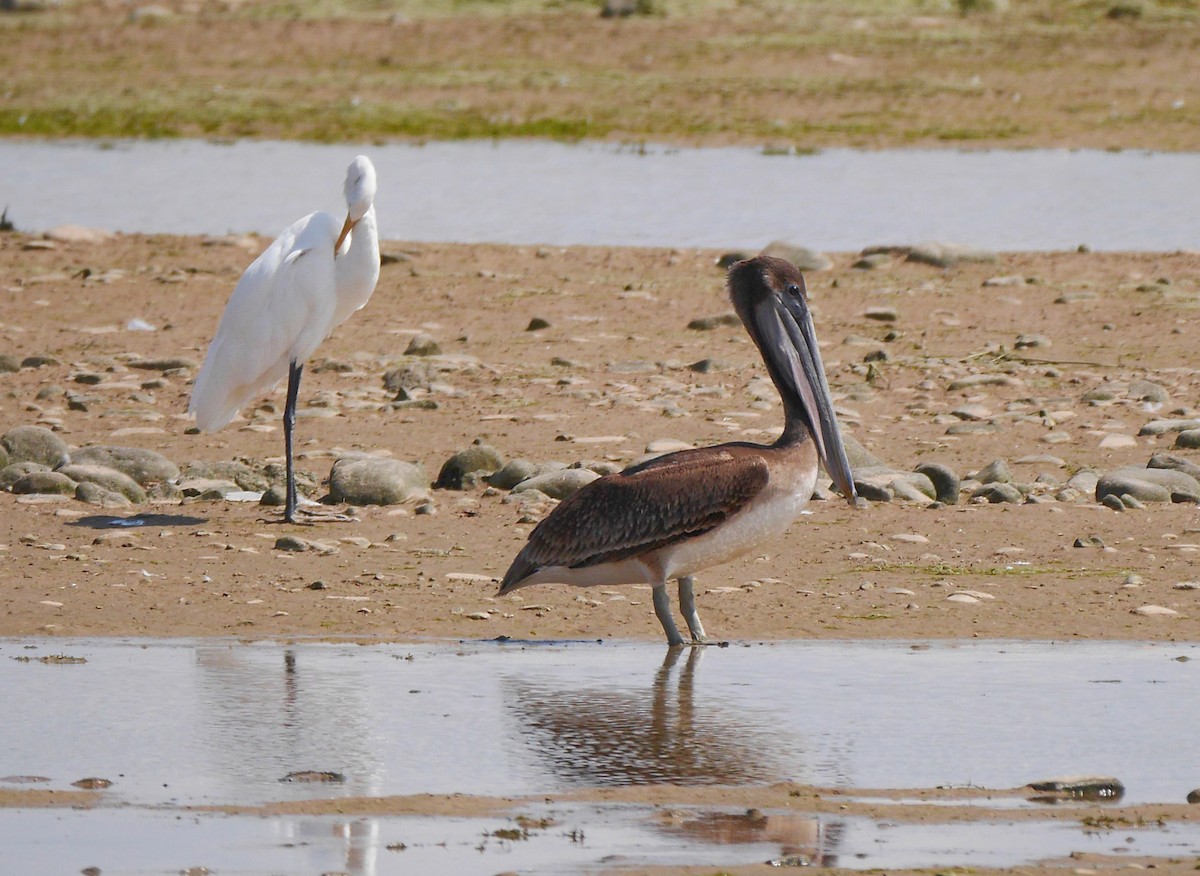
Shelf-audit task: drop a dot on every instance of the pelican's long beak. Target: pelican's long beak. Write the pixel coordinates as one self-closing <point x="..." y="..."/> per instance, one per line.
<point x="805" y="370"/>
<point x="347" y="227"/>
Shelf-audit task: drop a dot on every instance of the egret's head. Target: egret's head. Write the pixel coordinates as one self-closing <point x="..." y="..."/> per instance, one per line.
<point x="360" y="187"/>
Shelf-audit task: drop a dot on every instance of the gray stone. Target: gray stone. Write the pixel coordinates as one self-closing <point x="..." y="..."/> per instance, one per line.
<point x="97" y="494"/>
<point x="558" y="484"/>
<point x="872" y="492"/>
<point x="167" y="363"/>
<point x="727" y="260"/>
<point x="995" y="472"/>
<point x="35" y="444"/>
<point x="972" y="381"/>
<point x="1084" y="481"/>
<point x="1188" y="439"/>
<point x="4" y="460"/>
<point x="1166" y="426"/>
<point x="996" y="493"/>
<point x="477" y="458"/>
<point x="858" y="455"/>
<point x="947" y="255"/>
<point x="245" y="476"/>
<point x="292" y="543"/>
<point x="109" y="478"/>
<point x="1128" y="482"/>
<point x="9" y="364"/>
<point x="410" y="375"/>
<point x="946" y="483"/>
<point x="1117" y="503"/>
<point x="12" y="473"/>
<point x="881" y="313"/>
<point x="373" y="480"/>
<point x="1178" y="463"/>
<point x="802" y="257"/>
<point x="144" y="466"/>
<point x="423" y="345"/>
<point x="1181" y="486"/>
<point x="45" y="482"/>
<point x="517" y="470"/>
<point x="1145" y="390"/>
<point x="1028" y="341"/>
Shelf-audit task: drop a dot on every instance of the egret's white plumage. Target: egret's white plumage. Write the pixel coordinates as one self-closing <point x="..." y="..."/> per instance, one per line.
<point x="306" y="283"/>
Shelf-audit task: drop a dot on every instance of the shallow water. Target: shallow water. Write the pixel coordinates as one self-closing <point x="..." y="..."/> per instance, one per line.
<point x="537" y="192"/>
<point x="192" y="722"/>
<point x="176" y="723"/>
<point x="581" y="839"/>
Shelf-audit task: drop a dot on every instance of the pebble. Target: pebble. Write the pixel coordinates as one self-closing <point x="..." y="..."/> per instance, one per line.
<point x="1154" y="611"/>
<point x="976" y="380"/>
<point x="708" y="323"/>
<point x="1117" y="442"/>
<point x="479" y="459"/>
<point x="35" y="444"/>
<point x="44" y="482"/>
<point x="1188" y="439"/>
<point x="1150" y="485"/>
<point x="946" y="483"/>
<point x="946" y="255"/>
<point x="423" y="345"/>
<point x="558" y="484"/>
<point x="373" y="480"/>
<point x="962" y="597"/>
<point x="1186" y="585"/>
<point x="293" y="543"/>
<point x="108" y="478"/>
<point x="882" y="314"/>
<point x="517" y="470"/>
<point x="910" y="538"/>
<point x="1132" y="581"/>
<point x="995" y="472"/>
<point x="1166" y="426"/>
<point x="144" y="466"/>
<point x="998" y="493"/>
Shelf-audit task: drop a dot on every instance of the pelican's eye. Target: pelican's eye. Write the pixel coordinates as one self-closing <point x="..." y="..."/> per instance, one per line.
<point x="793" y="290"/>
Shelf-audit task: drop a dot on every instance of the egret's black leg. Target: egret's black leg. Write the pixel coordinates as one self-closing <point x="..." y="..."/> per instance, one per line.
<point x="289" y="421"/>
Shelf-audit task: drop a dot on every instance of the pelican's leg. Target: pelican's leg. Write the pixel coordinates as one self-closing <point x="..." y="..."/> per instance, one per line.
<point x="687" y="605"/>
<point x="289" y="421"/>
<point x="662" y="608"/>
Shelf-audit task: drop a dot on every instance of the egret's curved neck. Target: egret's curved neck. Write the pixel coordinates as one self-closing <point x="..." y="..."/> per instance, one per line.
<point x="356" y="268"/>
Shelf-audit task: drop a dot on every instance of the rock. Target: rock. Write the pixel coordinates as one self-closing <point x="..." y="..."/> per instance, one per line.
<point x="975" y="380"/>
<point x="35" y="444"/>
<point x="1179" y="486"/>
<point x="1027" y="341"/>
<point x="517" y="470"/>
<point x="1165" y="426"/>
<point x="1084" y="481"/>
<point x="802" y="257"/>
<point x="45" y="482"/>
<point x="245" y="476"/>
<point x="372" y="480"/>
<point x="10" y="474"/>
<point x="1115" y="502"/>
<point x="1082" y="787"/>
<point x="1178" y="463"/>
<point x="1194" y="796"/>
<point x="1188" y="439"/>
<point x="558" y="484"/>
<point x="410" y="375"/>
<point x="9" y="364"/>
<point x="858" y="456"/>
<point x="946" y="484"/>
<point x="108" y="478"/>
<point x="1154" y="611"/>
<point x="995" y="472"/>
<point x="880" y="313"/>
<point x="727" y="260"/>
<point x="625" y="8"/>
<point x="1148" y="391"/>
<point x="708" y="323"/>
<point x="423" y="345"/>
<point x="966" y="7"/>
<point x="872" y="492"/>
<point x="873" y="261"/>
<point x="97" y="494"/>
<point x="168" y="363"/>
<point x="536" y="324"/>
<point x="144" y="466"/>
<point x="293" y="543"/>
<point x="996" y="493"/>
<point x="479" y="457"/>
<point x="947" y="255"/>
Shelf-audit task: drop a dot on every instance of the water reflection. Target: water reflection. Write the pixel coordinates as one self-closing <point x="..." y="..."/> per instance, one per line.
<point x="801" y="840"/>
<point x="669" y="732"/>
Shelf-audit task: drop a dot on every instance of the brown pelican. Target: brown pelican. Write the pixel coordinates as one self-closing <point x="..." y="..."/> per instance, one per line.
<point x="682" y="512"/>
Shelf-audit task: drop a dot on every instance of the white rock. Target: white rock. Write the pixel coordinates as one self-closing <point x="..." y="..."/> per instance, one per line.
<point x="1154" y="611"/>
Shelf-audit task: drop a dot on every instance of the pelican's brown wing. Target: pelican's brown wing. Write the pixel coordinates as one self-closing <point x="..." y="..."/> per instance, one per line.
<point x="642" y="509"/>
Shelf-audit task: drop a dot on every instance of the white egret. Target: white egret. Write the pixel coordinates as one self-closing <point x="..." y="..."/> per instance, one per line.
<point x="304" y="285"/>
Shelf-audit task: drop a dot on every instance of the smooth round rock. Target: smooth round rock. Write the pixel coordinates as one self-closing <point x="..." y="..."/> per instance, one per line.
<point x="804" y="258"/>
<point x="144" y="466"/>
<point x="35" y="444"/>
<point x="946" y="483"/>
<point x="10" y="474"/>
<point x="996" y="472"/>
<point x="558" y="484"/>
<point x="1128" y="484"/>
<point x="1189" y="439"/>
<point x="98" y="494"/>
<point x="476" y="459"/>
<point x="997" y="493"/>
<point x="1179" y="486"/>
<point x="423" y="345"/>
<point x="108" y="478"/>
<point x="45" y="482"/>
<point x="376" y="481"/>
<point x="245" y="476"/>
